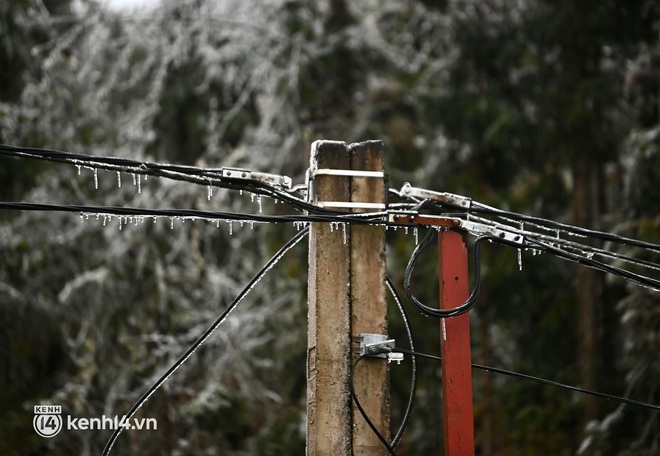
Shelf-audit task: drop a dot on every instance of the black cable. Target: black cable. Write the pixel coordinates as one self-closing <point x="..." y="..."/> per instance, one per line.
<point x="482" y="208"/>
<point x="205" y="335"/>
<point x="362" y="218"/>
<point x="599" y="265"/>
<point x="413" y="377"/>
<point x="575" y="246"/>
<point x="544" y="381"/>
<point x="444" y="313"/>
<point x="387" y="445"/>
<point x="191" y="174"/>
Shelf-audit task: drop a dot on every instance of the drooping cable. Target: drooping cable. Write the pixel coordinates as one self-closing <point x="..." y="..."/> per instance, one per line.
<point x="444" y="313"/>
<point x="373" y="427"/>
<point x="413" y="377"/>
<point x="204" y="336"/>
<point x="544" y="381"/>
<point x="191" y="174"/>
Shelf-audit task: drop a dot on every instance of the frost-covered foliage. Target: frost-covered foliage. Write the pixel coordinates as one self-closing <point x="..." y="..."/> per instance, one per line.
<point x="224" y="83"/>
<point x="491" y="99"/>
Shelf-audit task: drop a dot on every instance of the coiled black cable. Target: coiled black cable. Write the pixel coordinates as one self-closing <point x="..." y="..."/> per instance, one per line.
<point x="444" y="313"/>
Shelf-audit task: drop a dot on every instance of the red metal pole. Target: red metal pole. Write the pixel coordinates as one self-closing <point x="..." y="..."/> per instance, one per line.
<point x="457" y="404"/>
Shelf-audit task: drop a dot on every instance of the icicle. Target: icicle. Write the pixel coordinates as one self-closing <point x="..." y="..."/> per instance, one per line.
<point x="520" y="261"/>
<point x="209" y="192"/>
<point x="139" y="182"/>
<point x="405" y="229"/>
<point x="96" y="178"/>
<point x="252" y="195"/>
<point x="332" y="226"/>
<point x="119" y="223"/>
<point x="343" y="227"/>
<point x="79" y="169"/>
<point x="415" y="232"/>
<point x="259" y="202"/>
<point x="240" y="192"/>
<point x="171" y="223"/>
<point x="105" y="219"/>
<point x="231" y="228"/>
<point x="251" y="224"/>
<point x="118" y="179"/>
<point x="81" y="217"/>
<point x="134" y="179"/>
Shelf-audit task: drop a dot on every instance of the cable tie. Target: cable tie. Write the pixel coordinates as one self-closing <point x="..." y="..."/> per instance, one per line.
<point x="351" y="205"/>
<point x="347" y="173"/>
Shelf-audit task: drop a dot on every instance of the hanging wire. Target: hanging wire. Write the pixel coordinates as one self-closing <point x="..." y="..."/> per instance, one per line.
<point x="204" y="336"/>
<point x="373" y="427"/>
<point x="544" y="381"/>
<point x="413" y="376"/>
<point x="444" y="313"/>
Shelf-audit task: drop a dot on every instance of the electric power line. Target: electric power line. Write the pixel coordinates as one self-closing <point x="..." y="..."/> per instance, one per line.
<point x="544" y="381"/>
<point x="205" y="335"/>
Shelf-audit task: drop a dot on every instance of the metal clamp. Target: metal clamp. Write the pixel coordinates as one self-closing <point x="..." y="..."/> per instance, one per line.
<point x="268" y="178"/>
<point x="509" y="235"/>
<point x="375" y="345"/>
<point x="449" y="199"/>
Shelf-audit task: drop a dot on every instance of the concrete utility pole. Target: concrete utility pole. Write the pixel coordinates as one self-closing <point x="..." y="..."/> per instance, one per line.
<point x="346" y="298"/>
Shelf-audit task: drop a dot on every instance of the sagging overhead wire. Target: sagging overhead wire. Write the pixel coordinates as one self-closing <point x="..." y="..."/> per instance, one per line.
<point x="135" y="212"/>
<point x="497" y="370"/>
<point x="274" y="186"/>
<point x="204" y="336"/>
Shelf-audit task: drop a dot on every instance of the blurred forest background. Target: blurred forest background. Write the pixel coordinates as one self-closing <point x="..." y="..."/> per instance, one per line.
<point x="549" y="108"/>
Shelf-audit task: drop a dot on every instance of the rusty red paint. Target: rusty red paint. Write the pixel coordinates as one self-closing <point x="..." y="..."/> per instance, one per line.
<point x="457" y="404"/>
